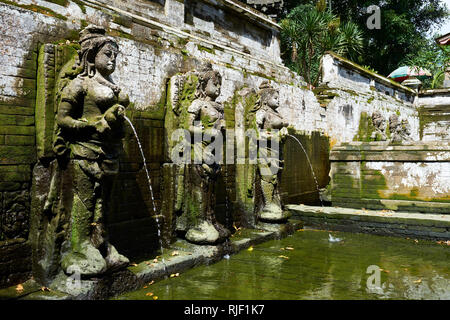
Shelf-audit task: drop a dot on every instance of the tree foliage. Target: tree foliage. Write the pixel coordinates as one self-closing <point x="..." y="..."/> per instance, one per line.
<point x="309" y="31"/>
<point x="405" y="26"/>
<point x="432" y="57"/>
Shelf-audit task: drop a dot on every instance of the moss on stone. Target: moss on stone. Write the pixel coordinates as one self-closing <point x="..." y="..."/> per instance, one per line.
<point x="81" y="5"/>
<point x="119" y="33"/>
<point x="36" y="8"/>
<point x="365" y="129"/>
<point x="203" y="48"/>
<point x="63" y="3"/>
<point x="122" y="20"/>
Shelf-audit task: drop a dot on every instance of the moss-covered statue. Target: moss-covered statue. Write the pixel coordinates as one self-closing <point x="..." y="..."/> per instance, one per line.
<point x="380" y="126"/>
<point x="198" y="112"/>
<point x="270" y="160"/>
<point x="400" y="129"/>
<point x="89" y="134"/>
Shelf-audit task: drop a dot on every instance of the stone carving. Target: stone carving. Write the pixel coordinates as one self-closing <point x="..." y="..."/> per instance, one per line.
<point x="400" y="129"/>
<point x="88" y="136"/>
<point x="267" y="119"/>
<point x="380" y="125"/>
<point x="193" y="99"/>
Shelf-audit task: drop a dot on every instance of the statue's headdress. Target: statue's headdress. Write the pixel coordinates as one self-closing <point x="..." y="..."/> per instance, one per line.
<point x="92" y="39"/>
<point x="265" y="91"/>
<point x="205" y="74"/>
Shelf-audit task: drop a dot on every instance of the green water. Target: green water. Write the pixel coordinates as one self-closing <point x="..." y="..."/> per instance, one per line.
<point x="317" y="269"/>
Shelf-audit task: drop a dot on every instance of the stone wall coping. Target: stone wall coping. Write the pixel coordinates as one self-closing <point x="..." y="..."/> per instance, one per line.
<point x="434" y="92"/>
<point x="369" y="74"/>
<point x="251" y="13"/>
<point x="388" y="216"/>
<point x="387" y="146"/>
<point x="419" y="151"/>
<point x="383" y="222"/>
<point x="177" y="32"/>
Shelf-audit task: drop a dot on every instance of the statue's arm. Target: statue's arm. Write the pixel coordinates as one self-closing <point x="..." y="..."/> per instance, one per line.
<point x="65" y="119"/>
<point x="193" y="116"/>
<point x="71" y="100"/>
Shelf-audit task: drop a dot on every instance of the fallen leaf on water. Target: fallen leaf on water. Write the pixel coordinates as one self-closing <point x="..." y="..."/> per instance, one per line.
<point x="155" y="298"/>
<point x="418" y="281"/>
<point x="94" y="224"/>
<point x="250" y="248"/>
<point x="289" y="248"/>
<point x="145" y="287"/>
<point x="175" y="275"/>
<point x="19" y="288"/>
<point x="175" y="253"/>
<point x="300" y="230"/>
<point x="151" y="282"/>
<point x="149" y="294"/>
<point x="133" y="264"/>
<point x="45" y="289"/>
<point x="155" y="260"/>
<point x="284" y="257"/>
<point x="416" y="241"/>
<point x="282" y="249"/>
<point x="147" y="263"/>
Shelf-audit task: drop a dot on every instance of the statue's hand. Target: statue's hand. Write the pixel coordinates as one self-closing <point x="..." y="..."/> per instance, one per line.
<point x="102" y="125"/>
<point x="115" y="113"/>
<point x="222" y="125"/>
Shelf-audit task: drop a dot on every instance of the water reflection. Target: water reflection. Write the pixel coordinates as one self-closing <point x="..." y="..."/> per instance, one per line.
<point x="307" y="266"/>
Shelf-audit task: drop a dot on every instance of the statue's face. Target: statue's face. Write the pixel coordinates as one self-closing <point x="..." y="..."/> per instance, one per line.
<point x="105" y="60"/>
<point x="213" y="87"/>
<point x="273" y="100"/>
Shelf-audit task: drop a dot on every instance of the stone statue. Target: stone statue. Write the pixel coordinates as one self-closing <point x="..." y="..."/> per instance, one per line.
<point x="269" y="168"/>
<point x="380" y="125"/>
<point x="89" y="132"/>
<point x="196" y="196"/>
<point x="399" y="129"/>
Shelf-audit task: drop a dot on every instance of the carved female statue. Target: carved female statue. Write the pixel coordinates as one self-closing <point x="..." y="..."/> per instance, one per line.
<point x="90" y="129"/>
<point x="204" y="115"/>
<point x="270" y="123"/>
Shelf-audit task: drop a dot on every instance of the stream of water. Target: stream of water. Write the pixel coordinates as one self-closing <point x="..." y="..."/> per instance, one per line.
<point x="311" y="166"/>
<point x="150" y="189"/>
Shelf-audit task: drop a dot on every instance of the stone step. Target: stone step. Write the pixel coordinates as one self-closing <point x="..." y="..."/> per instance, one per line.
<point x="382" y="222"/>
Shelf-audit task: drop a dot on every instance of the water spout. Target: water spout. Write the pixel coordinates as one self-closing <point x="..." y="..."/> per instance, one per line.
<point x="150" y="189"/>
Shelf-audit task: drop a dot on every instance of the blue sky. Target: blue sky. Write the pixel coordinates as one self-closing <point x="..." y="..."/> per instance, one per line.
<point x="446" y="26"/>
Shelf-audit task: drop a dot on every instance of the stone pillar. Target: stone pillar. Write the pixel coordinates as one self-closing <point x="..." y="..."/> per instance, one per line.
<point x="447" y="77"/>
<point x="174" y="10"/>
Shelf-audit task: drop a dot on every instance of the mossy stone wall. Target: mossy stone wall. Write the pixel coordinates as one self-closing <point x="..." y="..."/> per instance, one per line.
<point x="401" y="178"/>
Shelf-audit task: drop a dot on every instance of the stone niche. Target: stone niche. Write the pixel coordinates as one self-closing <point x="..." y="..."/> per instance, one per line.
<point x="412" y="177"/>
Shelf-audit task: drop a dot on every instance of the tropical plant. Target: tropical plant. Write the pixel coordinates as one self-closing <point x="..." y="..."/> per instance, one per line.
<point x="432" y="57"/>
<point x="309" y="31"/>
<point x="405" y="24"/>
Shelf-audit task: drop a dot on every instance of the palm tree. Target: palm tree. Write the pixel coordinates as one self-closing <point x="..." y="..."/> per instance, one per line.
<point x="308" y="32"/>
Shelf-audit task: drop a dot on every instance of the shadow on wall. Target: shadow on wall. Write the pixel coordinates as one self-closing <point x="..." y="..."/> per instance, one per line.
<point x="132" y="226"/>
<point x="297" y="181"/>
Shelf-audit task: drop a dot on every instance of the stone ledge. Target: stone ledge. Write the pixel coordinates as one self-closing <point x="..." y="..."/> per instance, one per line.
<point x="384" y="151"/>
<point x="181" y="256"/>
<point x="401" y="224"/>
